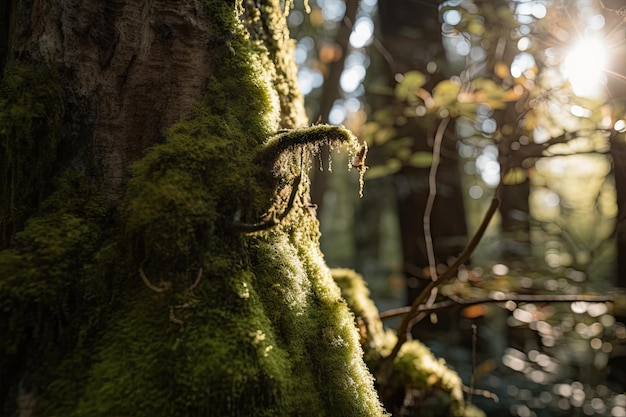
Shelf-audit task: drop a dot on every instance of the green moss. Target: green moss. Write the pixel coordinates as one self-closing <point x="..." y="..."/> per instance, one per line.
<point x="31" y="116"/>
<point x="269" y="338"/>
<point x="356" y="293"/>
<point x="264" y="332"/>
<point x="338" y="352"/>
<point x="415" y="367"/>
<point x="243" y="87"/>
<point x="163" y="306"/>
<point x="45" y="257"/>
<point x="306" y="140"/>
<point x="174" y="309"/>
<point x="53" y="291"/>
<point x="266" y="24"/>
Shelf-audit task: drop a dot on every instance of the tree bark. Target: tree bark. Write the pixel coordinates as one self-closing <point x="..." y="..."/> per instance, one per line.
<point x="616" y="89"/>
<point x="139" y="66"/>
<point x="159" y="257"/>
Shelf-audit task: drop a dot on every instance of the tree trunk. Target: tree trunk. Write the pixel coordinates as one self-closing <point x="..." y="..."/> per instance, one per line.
<point x="412" y="34"/>
<point x="616" y="89"/>
<point x="158" y="254"/>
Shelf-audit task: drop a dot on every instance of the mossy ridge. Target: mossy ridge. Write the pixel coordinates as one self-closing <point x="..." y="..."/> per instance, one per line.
<point x="231" y="347"/>
<point x="415" y="366"/>
<point x="274" y="342"/>
<point x="53" y="291"/>
<point x="31" y="119"/>
<point x="337" y="353"/>
<point x="265" y="21"/>
<point x="242" y="86"/>
<point x="355" y="291"/>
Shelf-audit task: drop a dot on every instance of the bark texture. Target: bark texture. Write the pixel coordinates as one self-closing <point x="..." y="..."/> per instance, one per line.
<point x="159" y="254"/>
<point x="137" y="66"/>
<point x="164" y="260"/>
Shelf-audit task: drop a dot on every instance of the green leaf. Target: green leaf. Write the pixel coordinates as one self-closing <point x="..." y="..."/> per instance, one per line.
<point x="399" y="143"/>
<point x="411" y="82"/>
<point x="446" y="93"/>
<point x="378" y="171"/>
<point x="515" y="176"/>
<point x="475" y="27"/>
<point x="383" y="115"/>
<point x="384" y="135"/>
<point x="421" y="159"/>
<point x="380" y="89"/>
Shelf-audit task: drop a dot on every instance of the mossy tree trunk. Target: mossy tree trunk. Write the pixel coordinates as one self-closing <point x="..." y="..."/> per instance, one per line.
<point x="157" y="253"/>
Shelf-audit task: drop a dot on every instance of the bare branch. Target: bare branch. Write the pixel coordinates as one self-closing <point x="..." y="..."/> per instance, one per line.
<point x="455" y="302"/>
<point x="175" y="319"/>
<point x="620" y="12"/>
<point x="473" y="373"/>
<point x="386" y="363"/>
<point x="537" y="150"/>
<point x="385" y="367"/>
<point x="482" y="393"/>
<point x="432" y="194"/>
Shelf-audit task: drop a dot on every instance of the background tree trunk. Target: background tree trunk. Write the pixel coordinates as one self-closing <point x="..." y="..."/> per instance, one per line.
<point x="411" y="31"/>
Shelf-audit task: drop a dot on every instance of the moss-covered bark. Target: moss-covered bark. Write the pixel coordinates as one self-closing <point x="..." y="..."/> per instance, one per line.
<point x="421" y="384"/>
<point x="201" y="290"/>
<point x="31" y="116"/>
<point x="163" y="303"/>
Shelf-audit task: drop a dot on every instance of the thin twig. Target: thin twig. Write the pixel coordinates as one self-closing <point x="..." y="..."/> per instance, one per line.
<point x="473" y="373"/>
<point x="386" y="364"/>
<point x="432" y="194"/>
<point x="620" y="12"/>
<point x="150" y="285"/>
<point x="196" y="282"/>
<point x="454" y="302"/>
<point x="387" y="56"/>
<point x="482" y="393"/>
<point x="449" y="273"/>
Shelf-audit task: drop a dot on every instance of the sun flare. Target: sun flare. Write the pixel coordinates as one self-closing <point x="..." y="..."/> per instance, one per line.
<point x="584" y="67"/>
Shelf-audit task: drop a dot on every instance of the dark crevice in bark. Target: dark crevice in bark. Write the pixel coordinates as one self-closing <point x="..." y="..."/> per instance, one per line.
<point x="5" y="13"/>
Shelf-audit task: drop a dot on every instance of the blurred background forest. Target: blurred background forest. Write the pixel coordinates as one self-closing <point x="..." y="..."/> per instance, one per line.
<point x="466" y="104"/>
